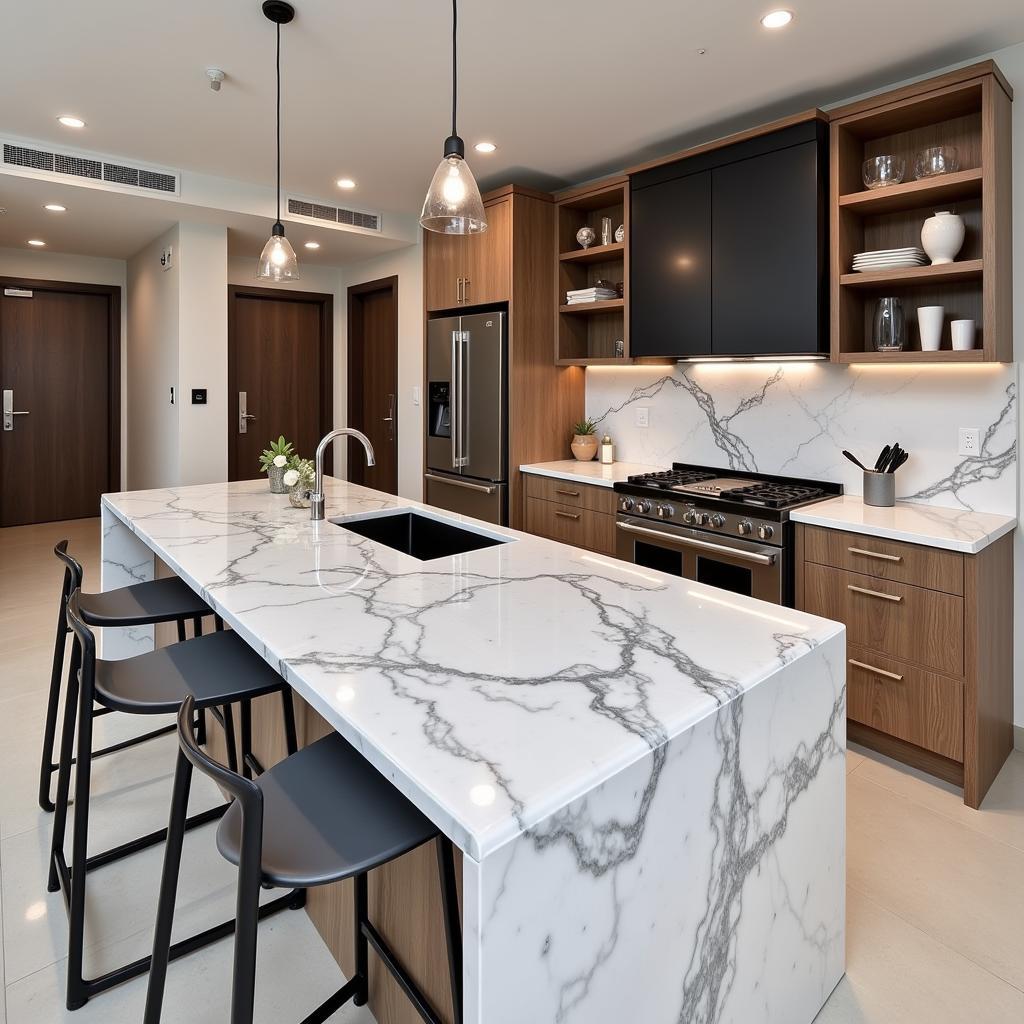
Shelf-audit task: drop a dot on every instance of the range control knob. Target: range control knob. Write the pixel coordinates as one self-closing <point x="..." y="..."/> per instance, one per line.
<point x="718" y="520"/>
<point x="643" y="506"/>
<point x="744" y="528"/>
<point x="626" y="504"/>
<point x="765" y="532"/>
<point x="701" y="518"/>
<point x="665" y="511"/>
<point x="690" y="517"/>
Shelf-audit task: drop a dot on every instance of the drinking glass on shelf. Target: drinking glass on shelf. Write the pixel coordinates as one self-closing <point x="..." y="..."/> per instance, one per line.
<point x="936" y="160"/>
<point x="880" y="171"/>
<point x="890" y="332"/>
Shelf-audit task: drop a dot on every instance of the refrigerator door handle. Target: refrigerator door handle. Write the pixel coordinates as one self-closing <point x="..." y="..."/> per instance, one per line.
<point x="464" y="430"/>
<point x="453" y="402"/>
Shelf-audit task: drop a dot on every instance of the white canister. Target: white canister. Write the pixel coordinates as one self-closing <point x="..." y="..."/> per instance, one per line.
<point x="607" y="450"/>
<point x="963" y="335"/>
<point x="942" y="236"/>
<point x="929" y="325"/>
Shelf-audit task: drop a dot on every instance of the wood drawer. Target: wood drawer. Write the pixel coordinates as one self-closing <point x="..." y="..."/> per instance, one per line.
<point x="565" y="492"/>
<point x="908" y="623"/>
<point x="571" y="525"/>
<point x="907" y="702"/>
<point x="887" y="559"/>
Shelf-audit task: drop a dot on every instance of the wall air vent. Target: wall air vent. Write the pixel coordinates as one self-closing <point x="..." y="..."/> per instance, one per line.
<point x="333" y="214"/>
<point x="89" y="167"/>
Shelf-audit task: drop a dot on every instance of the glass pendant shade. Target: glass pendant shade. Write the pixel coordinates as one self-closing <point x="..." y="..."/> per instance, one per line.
<point x="453" y="205"/>
<point x="278" y="261"/>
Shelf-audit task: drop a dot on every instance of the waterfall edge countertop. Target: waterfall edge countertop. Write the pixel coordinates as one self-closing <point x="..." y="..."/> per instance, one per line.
<point x="492" y="687"/>
<point x="954" y="529"/>
<point x="593" y="472"/>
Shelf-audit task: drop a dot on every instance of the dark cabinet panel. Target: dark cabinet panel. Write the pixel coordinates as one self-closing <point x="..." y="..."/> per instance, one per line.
<point x="766" y="264"/>
<point x="670" y="268"/>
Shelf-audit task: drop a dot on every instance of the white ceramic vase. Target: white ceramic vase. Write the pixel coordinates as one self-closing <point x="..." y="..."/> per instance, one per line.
<point x="942" y="236"/>
<point x="929" y="323"/>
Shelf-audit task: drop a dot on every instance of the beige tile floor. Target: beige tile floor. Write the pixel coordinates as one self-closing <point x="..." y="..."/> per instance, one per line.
<point x="935" y="890"/>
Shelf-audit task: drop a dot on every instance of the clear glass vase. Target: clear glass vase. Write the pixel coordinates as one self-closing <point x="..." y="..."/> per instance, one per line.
<point x="890" y="332"/>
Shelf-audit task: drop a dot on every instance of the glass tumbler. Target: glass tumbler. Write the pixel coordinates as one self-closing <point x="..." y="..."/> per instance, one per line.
<point x="890" y="325"/>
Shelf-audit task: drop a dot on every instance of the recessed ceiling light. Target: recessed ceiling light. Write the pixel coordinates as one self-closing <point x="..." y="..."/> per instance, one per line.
<point x="36" y="242"/>
<point x="70" y="121"/>
<point x="777" y="19"/>
<point x="55" y="208"/>
<point x="485" y="147"/>
<point x="312" y="245"/>
<point x="346" y="183"/>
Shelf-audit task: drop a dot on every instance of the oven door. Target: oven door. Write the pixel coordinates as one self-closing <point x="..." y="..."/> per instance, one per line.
<point x="730" y="563"/>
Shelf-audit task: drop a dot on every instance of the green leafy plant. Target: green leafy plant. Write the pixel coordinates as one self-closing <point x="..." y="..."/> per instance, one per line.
<point x="584" y="427"/>
<point x="278" y="448"/>
<point x="300" y="471"/>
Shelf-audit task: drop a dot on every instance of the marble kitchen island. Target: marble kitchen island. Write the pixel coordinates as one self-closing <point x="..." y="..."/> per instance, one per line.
<point x="645" y="775"/>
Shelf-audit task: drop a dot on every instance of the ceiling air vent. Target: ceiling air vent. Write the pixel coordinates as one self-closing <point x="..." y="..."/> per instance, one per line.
<point x="92" y="168"/>
<point x="333" y="214"/>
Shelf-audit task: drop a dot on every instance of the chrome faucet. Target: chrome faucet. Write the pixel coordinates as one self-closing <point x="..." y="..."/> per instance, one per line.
<point x="316" y="497"/>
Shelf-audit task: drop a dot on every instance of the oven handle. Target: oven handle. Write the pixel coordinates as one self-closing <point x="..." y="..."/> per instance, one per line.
<point x="704" y="545"/>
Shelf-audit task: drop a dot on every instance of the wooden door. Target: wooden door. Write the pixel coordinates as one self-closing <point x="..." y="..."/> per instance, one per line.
<point x="487" y="268"/>
<point x="59" y="357"/>
<point x="279" y="357"/>
<point x="373" y="381"/>
<point x="444" y="259"/>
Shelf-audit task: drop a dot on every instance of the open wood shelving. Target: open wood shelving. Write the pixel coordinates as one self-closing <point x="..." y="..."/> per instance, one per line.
<point x="968" y="109"/>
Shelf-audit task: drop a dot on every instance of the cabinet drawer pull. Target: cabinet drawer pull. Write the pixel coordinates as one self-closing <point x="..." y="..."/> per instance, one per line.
<point x="567" y="515"/>
<point x="874" y="593"/>
<point x="878" y="671"/>
<point x="875" y="554"/>
<point x="568" y="494"/>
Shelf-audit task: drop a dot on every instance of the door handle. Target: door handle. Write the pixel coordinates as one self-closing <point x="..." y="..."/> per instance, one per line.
<point x="243" y="415"/>
<point x="458" y="291"/>
<point x="390" y="418"/>
<point x="465" y="289"/>
<point x="464" y="426"/>
<point x="9" y="411"/>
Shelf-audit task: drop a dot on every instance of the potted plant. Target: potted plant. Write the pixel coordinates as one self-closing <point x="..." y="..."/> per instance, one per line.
<point x="299" y="479"/>
<point x="584" y="440"/>
<point x="274" y="462"/>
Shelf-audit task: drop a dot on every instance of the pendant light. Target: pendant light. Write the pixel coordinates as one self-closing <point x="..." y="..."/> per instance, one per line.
<point x="453" y="205"/>
<point x="277" y="261"/>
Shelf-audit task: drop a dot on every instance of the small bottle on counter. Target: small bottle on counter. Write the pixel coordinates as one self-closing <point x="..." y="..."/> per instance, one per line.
<point x="607" y="451"/>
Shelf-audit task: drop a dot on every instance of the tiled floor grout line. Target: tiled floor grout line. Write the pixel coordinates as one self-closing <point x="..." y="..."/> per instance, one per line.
<point x="939" y="814"/>
<point x="934" y="938"/>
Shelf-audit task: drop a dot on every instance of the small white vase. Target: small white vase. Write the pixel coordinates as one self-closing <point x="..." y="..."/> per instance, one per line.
<point x="942" y="236"/>
<point x="929" y="324"/>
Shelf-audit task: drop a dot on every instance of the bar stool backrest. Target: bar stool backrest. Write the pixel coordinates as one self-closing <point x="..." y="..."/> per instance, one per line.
<point x="86" y="642"/>
<point x="73" y="573"/>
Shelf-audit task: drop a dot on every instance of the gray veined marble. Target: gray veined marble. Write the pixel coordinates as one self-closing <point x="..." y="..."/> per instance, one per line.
<point x="645" y="774"/>
<point x="796" y="419"/>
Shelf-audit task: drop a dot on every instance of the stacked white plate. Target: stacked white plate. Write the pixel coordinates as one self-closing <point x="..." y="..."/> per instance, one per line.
<point x="889" y="259"/>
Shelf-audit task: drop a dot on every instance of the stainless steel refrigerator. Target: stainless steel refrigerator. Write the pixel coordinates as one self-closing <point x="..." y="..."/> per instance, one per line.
<point x="467" y="421"/>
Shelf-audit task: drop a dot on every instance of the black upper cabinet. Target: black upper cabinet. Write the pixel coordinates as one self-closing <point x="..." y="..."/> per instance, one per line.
<point x="728" y="250"/>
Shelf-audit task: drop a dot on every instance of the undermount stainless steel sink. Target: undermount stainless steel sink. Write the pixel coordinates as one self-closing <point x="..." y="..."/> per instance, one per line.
<point x="421" y="536"/>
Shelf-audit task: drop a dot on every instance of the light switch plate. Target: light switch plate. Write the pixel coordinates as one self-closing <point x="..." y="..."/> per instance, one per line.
<point x="415" y="396"/>
<point x="969" y="441"/>
<point x="643" y="416"/>
<point x="167" y="258"/>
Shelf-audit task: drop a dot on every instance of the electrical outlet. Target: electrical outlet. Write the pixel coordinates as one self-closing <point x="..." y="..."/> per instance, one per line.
<point x="969" y="442"/>
<point x="643" y="416"/>
<point x="167" y="258"/>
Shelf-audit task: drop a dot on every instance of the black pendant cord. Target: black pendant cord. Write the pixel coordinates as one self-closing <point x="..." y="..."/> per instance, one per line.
<point x="455" y="61"/>
<point x="278" y="67"/>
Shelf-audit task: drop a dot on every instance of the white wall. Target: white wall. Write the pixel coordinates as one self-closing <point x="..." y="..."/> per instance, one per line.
<point x="153" y="304"/>
<point x="57" y="266"/>
<point x="407" y="265"/>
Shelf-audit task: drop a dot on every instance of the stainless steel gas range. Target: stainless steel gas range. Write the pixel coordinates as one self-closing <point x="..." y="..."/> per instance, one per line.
<point x="725" y="528"/>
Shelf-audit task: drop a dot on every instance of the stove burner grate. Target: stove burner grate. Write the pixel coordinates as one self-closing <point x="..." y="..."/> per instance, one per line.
<point x="773" y="495"/>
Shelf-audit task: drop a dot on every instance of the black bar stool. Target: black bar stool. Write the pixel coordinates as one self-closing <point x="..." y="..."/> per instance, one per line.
<point x="141" y="604"/>
<point x="320" y="815"/>
<point x="216" y="669"/>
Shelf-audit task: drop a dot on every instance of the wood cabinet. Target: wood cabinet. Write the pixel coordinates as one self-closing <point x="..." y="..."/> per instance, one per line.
<point x="471" y="270"/>
<point x="749" y="220"/>
<point x="509" y="265"/>
<point x="929" y="647"/>
<point x="579" y="514"/>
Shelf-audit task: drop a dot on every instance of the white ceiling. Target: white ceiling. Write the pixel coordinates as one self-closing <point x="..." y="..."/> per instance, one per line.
<point x="567" y="88"/>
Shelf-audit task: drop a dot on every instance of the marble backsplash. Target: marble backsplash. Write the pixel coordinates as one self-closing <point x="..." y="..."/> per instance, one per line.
<point x="795" y="419"/>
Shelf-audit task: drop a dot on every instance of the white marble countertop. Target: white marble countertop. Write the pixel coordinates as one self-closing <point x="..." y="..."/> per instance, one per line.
<point x="592" y="472"/>
<point x="492" y="687"/>
<point x="950" y="528"/>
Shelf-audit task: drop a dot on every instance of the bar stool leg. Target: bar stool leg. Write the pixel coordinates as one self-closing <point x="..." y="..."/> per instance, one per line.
<point x="229" y="737"/>
<point x="46" y="766"/>
<point x="291" y="737"/>
<point x="67" y="754"/>
<point x="168" y="890"/>
<point x="362" y="916"/>
<point x="250" y="877"/>
<point x="452" y="921"/>
<point x="76" y="993"/>
<point x="245" y="711"/>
